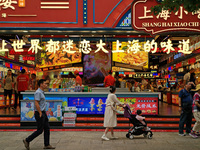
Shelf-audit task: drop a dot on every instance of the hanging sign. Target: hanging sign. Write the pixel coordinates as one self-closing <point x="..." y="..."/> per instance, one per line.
<point x="143" y="19"/>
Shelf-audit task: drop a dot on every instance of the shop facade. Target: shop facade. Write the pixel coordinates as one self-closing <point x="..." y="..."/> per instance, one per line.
<point x="94" y="37"/>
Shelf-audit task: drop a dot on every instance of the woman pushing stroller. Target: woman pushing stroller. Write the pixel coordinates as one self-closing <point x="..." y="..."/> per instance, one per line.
<point x="110" y="115"/>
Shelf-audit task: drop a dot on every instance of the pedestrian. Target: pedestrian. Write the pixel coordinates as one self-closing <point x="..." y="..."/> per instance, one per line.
<point x="185" y="108"/>
<point x="186" y="77"/>
<point x="32" y="82"/>
<point x="16" y="91"/>
<point x="22" y="84"/>
<point x="110" y="116"/>
<point x="109" y="80"/>
<point x="196" y="112"/>
<point x="41" y="117"/>
<point x="8" y="88"/>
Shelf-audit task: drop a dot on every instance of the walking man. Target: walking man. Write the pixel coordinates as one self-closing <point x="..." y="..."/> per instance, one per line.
<point x="185" y="104"/>
<point x="41" y="117"/>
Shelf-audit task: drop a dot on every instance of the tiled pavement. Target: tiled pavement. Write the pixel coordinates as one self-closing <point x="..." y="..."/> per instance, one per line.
<point x="68" y="140"/>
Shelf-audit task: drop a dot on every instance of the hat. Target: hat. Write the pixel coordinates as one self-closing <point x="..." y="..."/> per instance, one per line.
<point x="197" y="88"/>
<point x="76" y="72"/>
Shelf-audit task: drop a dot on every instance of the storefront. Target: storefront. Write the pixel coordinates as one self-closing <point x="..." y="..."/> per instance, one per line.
<point x="63" y="37"/>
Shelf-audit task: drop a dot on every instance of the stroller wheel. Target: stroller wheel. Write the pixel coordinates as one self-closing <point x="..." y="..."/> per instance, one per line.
<point x="150" y="136"/>
<point x="131" y="137"/>
<point x="145" y="135"/>
<point x="127" y="135"/>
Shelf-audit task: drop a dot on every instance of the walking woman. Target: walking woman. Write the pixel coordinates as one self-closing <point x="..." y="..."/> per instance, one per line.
<point x="110" y="116"/>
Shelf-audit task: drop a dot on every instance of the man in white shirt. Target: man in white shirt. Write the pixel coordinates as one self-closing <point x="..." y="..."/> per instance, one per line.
<point x="186" y="77"/>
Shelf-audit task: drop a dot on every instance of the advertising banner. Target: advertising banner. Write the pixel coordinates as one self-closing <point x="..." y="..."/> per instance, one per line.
<point x="88" y="105"/>
<point x="148" y="105"/>
<point x="137" y="58"/>
<point x="53" y="111"/>
<point x="52" y="54"/>
<point x="96" y="105"/>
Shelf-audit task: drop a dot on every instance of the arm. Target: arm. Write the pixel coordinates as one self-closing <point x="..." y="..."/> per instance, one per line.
<point x="114" y="98"/>
<point x="197" y="104"/>
<point x="38" y="107"/>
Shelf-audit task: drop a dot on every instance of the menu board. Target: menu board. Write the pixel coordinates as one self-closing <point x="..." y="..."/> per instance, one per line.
<point x="96" y="67"/>
<point x="138" y="59"/>
<point x="59" y="57"/>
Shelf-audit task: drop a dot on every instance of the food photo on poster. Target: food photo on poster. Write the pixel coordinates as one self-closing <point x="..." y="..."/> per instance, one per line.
<point x="96" y="67"/>
<point x="124" y="54"/>
<point x="55" y="55"/>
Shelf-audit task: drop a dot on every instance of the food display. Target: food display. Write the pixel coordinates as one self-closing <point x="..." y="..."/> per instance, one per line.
<point x="57" y="58"/>
<point x="138" y="59"/>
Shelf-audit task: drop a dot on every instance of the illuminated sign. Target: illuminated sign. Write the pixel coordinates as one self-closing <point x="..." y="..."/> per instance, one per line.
<point x="28" y="58"/>
<point x="165" y="21"/>
<point x="133" y="47"/>
<point x="144" y="74"/>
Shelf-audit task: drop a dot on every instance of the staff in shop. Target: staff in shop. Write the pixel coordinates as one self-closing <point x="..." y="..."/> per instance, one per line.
<point x="109" y="80"/>
<point x="78" y="78"/>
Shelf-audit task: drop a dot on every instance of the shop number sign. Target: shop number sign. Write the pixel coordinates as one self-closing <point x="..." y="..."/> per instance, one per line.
<point x="84" y="46"/>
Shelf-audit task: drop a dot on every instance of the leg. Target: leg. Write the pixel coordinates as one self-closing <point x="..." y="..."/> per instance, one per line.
<point x="196" y="127"/>
<point x="189" y="122"/>
<point x="111" y="130"/>
<point x="46" y="130"/>
<point x="40" y="127"/>
<point x="16" y="99"/>
<point x="182" y="122"/>
<point x="5" y="97"/>
<point x="10" y="97"/>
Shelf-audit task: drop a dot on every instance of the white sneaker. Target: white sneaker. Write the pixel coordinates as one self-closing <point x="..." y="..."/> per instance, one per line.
<point x="114" y="137"/>
<point x="105" y="138"/>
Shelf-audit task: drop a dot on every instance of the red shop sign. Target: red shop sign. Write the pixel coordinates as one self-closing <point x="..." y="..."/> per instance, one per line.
<point x="28" y="58"/>
<point x="142" y="19"/>
<point x="25" y="52"/>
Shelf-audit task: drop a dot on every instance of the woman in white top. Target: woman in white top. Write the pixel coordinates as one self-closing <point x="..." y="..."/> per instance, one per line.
<point x="110" y="116"/>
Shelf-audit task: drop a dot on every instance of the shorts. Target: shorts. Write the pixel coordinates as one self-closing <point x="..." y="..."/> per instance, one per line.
<point x="8" y="92"/>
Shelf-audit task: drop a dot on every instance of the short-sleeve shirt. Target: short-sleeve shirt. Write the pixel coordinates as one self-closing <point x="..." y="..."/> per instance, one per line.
<point x="185" y="96"/>
<point x="39" y="96"/>
<point x="22" y="82"/>
<point x="79" y="80"/>
<point x="195" y="99"/>
<point x="8" y="83"/>
<point x="109" y="81"/>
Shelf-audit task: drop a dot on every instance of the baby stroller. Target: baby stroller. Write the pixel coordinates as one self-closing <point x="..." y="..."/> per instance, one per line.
<point x="138" y="128"/>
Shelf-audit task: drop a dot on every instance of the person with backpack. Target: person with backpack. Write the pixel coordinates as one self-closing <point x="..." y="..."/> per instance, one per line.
<point x="8" y="88"/>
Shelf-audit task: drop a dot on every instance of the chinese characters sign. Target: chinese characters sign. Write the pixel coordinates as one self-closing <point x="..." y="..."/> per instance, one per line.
<point x="142" y="19"/>
<point x="148" y="105"/>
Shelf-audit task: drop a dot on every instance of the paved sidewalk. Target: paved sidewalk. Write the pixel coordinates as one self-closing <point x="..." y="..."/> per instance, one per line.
<point x="92" y="141"/>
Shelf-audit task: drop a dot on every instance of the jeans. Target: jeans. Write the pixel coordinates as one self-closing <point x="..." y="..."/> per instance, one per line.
<point x="42" y="124"/>
<point x="186" y="117"/>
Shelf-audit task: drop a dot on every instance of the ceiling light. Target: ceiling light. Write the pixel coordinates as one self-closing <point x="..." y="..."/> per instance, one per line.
<point x="25" y="31"/>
